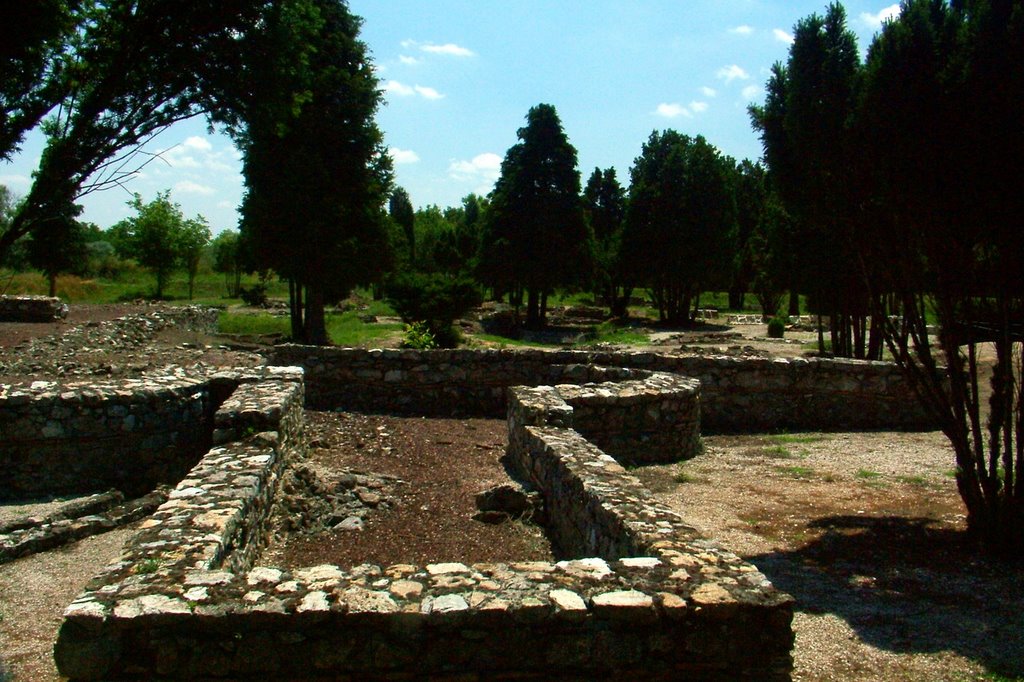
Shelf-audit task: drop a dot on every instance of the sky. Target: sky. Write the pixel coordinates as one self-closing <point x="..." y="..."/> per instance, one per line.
<point x="459" y="77"/>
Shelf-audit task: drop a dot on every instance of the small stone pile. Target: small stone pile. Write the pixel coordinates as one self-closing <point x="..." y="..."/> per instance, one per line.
<point x="307" y="505"/>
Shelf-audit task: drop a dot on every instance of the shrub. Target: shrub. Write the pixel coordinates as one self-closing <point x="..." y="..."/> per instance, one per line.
<point x="776" y="327"/>
<point x="255" y="296"/>
<point x="435" y="300"/>
<point x="418" y="336"/>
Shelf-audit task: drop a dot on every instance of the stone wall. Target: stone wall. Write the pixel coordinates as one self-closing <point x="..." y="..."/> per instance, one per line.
<point x="738" y="394"/>
<point x="78" y="437"/>
<point x="656" y="602"/>
<point x="32" y="309"/>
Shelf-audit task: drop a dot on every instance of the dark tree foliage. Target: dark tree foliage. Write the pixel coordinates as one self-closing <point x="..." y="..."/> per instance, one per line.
<point x="680" y="221"/>
<point x="434" y="299"/>
<point x="401" y="211"/>
<point x="228" y="260"/>
<point x="124" y="71"/>
<point x="604" y="205"/>
<point x="536" y="237"/>
<point x="35" y="42"/>
<point x="315" y="169"/>
<point x="769" y="255"/>
<point x="805" y="127"/>
<point x="58" y="245"/>
<point x="751" y="192"/>
<point x="940" y="122"/>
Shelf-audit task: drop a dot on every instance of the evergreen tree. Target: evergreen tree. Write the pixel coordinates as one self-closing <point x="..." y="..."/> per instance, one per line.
<point x="536" y="238"/>
<point x="604" y="205"/>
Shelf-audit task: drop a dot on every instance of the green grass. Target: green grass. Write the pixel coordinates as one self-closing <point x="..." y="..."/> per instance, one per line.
<point x="868" y="475"/>
<point x="796" y="471"/>
<point x="788" y="438"/>
<point x="344" y="329"/>
<point x="779" y="452"/>
<point x="610" y="332"/>
<point x="912" y="480"/>
<point x="683" y="476"/>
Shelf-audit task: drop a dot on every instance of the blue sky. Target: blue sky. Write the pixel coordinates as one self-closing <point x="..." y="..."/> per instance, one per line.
<point x="460" y="75"/>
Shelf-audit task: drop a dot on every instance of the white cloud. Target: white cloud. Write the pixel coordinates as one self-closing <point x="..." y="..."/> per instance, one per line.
<point x="742" y="30"/>
<point x="177" y="157"/>
<point x="875" y="21"/>
<point x="226" y="204"/>
<point x="198" y="143"/>
<point x="402" y="156"/>
<point x="428" y="93"/>
<point x="672" y="110"/>
<point x="483" y="170"/>
<point x="407" y="60"/>
<point x="189" y="187"/>
<point x="708" y="92"/>
<point x="698" y="107"/>
<point x="731" y="73"/>
<point x="783" y="36"/>
<point x="450" y="49"/>
<point x="751" y="91"/>
<point x="400" y="89"/>
<point x="14" y="181"/>
<point x="408" y="44"/>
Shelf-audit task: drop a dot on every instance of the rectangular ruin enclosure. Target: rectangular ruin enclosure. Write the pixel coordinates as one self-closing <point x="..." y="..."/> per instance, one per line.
<point x="642" y="596"/>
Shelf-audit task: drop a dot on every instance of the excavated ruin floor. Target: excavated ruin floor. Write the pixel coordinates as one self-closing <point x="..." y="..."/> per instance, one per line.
<point x="419" y="509"/>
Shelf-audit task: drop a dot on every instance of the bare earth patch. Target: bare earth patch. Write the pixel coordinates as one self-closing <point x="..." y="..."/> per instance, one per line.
<point x="442" y="464"/>
<point x="866" y="531"/>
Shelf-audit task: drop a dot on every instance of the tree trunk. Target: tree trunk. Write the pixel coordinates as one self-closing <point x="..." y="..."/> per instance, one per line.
<point x="295" y="311"/>
<point x="736" y="296"/>
<point x="315" y="324"/>
<point x="794" y="303"/>
<point x="532" y="309"/>
<point x="52" y="277"/>
<point x="543" y="308"/>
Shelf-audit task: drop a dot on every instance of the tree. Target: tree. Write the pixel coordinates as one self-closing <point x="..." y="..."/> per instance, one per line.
<point x="227" y="260"/>
<point x="940" y="114"/>
<point x="118" y="72"/>
<point x="769" y="255"/>
<point x="35" y="40"/>
<point x="604" y="205"/>
<point x="535" y="221"/>
<point x="680" y="220"/>
<point x="401" y="211"/>
<point x="152" y="236"/>
<point x="805" y="128"/>
<point x="316" y="173"/>
<point x="750" y="206"/>
<point x="434" y="299"/>
<point x="57" y="245"/>
<point x="192" y="241"/>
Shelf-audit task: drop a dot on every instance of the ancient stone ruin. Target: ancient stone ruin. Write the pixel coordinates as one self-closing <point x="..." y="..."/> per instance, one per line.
<point x="32" y="309"/>
<point x="634" y="593"/>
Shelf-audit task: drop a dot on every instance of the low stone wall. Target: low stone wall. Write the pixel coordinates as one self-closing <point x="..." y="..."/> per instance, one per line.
<point x="738" y="394"/>
<point x="85" y="437"/>
<point x="184" y="602"/>
<point x="32" y="309"/>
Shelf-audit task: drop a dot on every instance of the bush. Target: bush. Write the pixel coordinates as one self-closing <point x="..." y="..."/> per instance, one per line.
<point x="434" y="300"/>
<point x="255" y="296"/>
<point x="418" y="336"/>
<point x="776" y="327"/>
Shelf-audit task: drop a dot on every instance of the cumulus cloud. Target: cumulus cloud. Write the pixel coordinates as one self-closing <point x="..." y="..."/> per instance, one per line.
<point x="450" y="49"/>
<point x="708" y="92"/>
<point x="875" y="21"/>
<point x="399" y="89"/>
<point x="483" y="170"/>
<point x="393" y="87"/>
<point x="742" y="30"/>
<point x="428" y="93"/>
<point x="198" y="143"/>
<point x="403" y="156"/>
<point x="751" y="91"/>
<point x="407" y="60"/>
<point x="698" y="107"/>
<point x="672" y="110"/>
<point x="190" y="187"/>
<point x="731" y="73"/>
<point x="783" y="36"/>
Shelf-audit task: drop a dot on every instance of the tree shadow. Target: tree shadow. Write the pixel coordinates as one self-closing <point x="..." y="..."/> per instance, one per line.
<point x="906" y="585"/>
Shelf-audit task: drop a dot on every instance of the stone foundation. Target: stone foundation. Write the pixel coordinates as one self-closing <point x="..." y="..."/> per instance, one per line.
<point x="638" y="596"/>
<point x="32" y="309"/>
<point x="737" y="394"/>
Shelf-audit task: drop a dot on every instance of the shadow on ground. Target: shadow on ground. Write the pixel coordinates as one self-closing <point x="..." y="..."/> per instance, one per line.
<point x="907" y="585"/>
